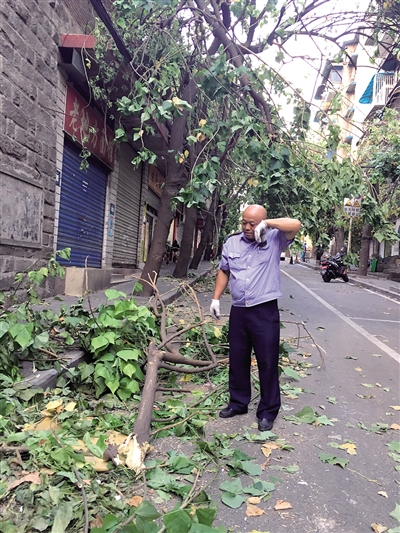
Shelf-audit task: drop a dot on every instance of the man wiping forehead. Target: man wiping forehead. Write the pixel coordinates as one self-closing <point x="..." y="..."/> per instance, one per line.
<point x="250" y="263"/>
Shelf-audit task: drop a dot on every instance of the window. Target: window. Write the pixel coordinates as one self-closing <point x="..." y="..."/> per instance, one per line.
<point x="336" y="75"/>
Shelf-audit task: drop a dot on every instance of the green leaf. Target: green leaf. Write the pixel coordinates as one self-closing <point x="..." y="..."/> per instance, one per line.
<point x="394" y="446"/>
<point x="202" y="528"/>
<point x="291" y="373"/>
<point x="324" y="420"/>
<point x="22" y="334"/>
<point x="113" y="384"/>
<point x="129" y="369"/>
<point x="41" y="340"/>
<point x="63" y="517"/>
<point x="113" y="294"/>
<point x="250" y="468"/>
<point x="39" y="523"/>
<point x="306" y="415"/>
<point x="332" y="459"/>
<point x="65" y="253"/>
<point x="206" y="516"/>
<point x="238" y="455"/>
<point x="180" y="463"/>
<point x="232" y="500"/>
<point x="95" y="450"/>
<point x="99" y="342"/>
<point x="130" y="385"/>
<point x="177" y="521"/>
<point x="234" y="487"/>
<point x="147" y="511"/>
<point x="129" y="355"/>
<point x="110" y="521"/>
<point x="259" y="488"/>
<point x="86" y="370"/>
<point x="291" y="469"/>
<point x="3" y="328"/>
<point x="396" y="513"/>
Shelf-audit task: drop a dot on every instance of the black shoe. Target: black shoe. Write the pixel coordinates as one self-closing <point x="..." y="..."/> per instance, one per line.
<point x="264" y="424"/>
<point x="228" y="412"/>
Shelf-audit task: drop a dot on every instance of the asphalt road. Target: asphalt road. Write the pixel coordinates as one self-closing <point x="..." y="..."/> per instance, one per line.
<point x="358" y="334"/>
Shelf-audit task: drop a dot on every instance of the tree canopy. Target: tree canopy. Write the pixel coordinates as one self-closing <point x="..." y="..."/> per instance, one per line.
<point x="194" y="94"/>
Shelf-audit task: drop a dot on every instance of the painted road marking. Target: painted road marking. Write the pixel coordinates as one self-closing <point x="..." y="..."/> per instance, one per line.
<point x="374" y="319"/>
<point x="392" y="353"/>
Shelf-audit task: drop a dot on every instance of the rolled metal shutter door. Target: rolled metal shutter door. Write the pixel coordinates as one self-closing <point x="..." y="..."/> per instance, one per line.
<point x="127" y="213"/>
<point x="82" y="205"/>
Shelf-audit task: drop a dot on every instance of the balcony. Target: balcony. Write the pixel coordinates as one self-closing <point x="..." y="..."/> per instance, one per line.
<point x="384" y="83"/>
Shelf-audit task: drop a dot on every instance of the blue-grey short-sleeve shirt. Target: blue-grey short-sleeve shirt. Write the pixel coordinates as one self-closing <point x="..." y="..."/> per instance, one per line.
<point x="254" y="270"/>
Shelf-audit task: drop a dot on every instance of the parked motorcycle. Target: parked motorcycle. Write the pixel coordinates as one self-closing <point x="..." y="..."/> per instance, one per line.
<point x="334" y="267"/>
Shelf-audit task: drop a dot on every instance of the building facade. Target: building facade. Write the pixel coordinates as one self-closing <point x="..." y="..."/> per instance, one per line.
<point x="364" y="88"/>
<point x="63" y="180"/>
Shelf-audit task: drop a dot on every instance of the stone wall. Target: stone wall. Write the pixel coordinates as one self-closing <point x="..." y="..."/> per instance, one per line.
<point x="29" y="108"/>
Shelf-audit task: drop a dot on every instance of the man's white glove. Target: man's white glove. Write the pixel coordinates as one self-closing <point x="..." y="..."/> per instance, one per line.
<point x="260" y="233"/>
<point x="214" y="309"/>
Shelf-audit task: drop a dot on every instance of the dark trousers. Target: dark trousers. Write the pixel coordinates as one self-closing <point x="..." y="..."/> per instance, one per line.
<point x="255" y="328"/>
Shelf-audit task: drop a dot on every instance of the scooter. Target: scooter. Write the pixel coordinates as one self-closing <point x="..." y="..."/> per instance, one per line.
<point x="333" y="267"/>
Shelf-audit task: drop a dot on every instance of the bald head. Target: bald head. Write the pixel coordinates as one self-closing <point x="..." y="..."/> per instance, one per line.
<point x="251" y="217"/>
<point x="255" y="211"/>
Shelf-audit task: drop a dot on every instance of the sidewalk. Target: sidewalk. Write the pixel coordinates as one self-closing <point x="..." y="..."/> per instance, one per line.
<point x="374" y="281"/>
<point x="167" y="285"/>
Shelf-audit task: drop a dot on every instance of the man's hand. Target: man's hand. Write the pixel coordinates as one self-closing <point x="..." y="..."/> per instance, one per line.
<point x="260" y="233"/>
<point x="214" y="309"/>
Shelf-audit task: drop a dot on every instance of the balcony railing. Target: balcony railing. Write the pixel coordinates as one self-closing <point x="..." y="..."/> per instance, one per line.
<point x="384" y="83"/>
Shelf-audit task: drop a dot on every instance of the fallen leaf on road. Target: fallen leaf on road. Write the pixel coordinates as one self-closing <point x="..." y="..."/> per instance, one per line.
<point x="350" y="448"/>
<point x="281" y="505"/>
<point x="253" y="510"/>
<point x="253" y="500"/>
<point x="332" y="459"/>
<point x="268" y="447"/>
<point x="395" y="426"/>
<point x="396" y="513"/>
<point x="383" y="493"/>
<point x="369" y="385"/>
<point x="134" y="501"/>
<point x="34" y="477"/>
<point x="378" y="528"/>
<point x="359" y="369"/>
<point x="395" y="407"/>
<point x="70" y="406"/>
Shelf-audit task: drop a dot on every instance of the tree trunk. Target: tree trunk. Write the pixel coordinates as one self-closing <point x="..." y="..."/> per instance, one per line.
<point x="174" y="180"/>
<point x="208" y="250"/>
<point x="364" y="252"/>
<point x="185" y="253"/>
<point x="207" y="232"/>
<point x="339" y="239"/>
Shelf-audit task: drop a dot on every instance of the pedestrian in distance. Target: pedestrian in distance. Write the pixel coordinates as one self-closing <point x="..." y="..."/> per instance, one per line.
<point x="303" y="254"/>
<point x="318" y="253"/>
<point x="250" y="262"/>
<point x="175" y="250"/>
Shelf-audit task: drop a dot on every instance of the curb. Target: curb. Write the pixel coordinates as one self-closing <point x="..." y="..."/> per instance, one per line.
<point x="373" y="288"/>
<point x="47" y="379"/>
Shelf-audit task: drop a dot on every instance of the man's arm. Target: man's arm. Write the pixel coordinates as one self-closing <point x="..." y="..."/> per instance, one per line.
<point x="220" y="283"/>
<point x="290" y="226"/>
